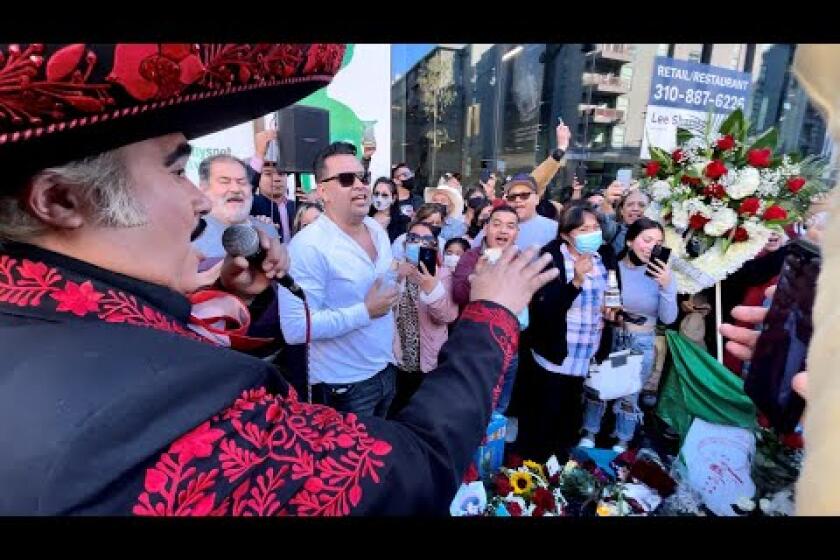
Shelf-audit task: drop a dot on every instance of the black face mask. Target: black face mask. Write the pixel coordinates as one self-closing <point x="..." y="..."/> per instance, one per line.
<point x="634" y="258"/>
<point x="475" y="202"/>
<point x="435" y="231"/>
<point x="408" y="184"/>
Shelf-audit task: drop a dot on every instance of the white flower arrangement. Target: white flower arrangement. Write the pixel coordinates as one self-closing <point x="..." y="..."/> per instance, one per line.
<point x="706" y="227"/>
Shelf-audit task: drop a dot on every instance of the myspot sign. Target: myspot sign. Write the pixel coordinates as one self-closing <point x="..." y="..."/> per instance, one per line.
<point x="686" y="95"/>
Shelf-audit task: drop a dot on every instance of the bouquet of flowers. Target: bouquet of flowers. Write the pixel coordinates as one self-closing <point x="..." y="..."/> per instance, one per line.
<point x="721" y="195"/>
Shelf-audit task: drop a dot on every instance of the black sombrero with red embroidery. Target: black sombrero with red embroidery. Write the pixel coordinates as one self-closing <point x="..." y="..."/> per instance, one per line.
<point x="59" y="103"/>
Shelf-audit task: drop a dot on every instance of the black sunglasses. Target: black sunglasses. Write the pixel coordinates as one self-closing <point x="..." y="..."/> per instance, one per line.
<point x="348" y="179"/>
<point x="520" y="196"/>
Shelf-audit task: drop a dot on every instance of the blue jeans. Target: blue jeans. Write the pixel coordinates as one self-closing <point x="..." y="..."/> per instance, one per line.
<point x="507" y="386"/>
<point x="627" y="413"/>
<point x="371" y="397"/>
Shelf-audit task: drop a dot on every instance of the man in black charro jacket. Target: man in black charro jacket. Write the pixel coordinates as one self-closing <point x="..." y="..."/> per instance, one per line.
<point x="110" y="400"/>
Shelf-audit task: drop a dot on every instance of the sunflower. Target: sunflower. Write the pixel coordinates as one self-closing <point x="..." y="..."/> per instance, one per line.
<point x="522" y="482"/>
<point x="535" y="467"/>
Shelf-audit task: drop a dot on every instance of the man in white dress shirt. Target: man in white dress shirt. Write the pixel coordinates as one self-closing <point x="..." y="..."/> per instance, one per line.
<point x="342" y="261"/>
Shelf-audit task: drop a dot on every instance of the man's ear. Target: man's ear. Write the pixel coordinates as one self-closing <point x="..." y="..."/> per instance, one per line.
<point x="56" y="202"/>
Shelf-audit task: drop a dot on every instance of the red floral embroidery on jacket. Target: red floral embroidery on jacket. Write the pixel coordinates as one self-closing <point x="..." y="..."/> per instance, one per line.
<point x="505" y="330"/>
<point x="266" y="455"/>
<point x="25" y="284"/>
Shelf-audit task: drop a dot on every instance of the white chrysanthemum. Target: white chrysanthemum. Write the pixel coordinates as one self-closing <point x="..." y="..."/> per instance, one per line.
<point x="679" y="215"/>
<point x="722" y="221"/>
<point x="730" y="177"/>
<point x="660" y="190"/>
<point x="745" y="184"/>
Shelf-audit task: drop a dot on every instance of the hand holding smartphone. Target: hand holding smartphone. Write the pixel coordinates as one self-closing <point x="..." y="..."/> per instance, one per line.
<point x="658" y="253"/>
<point x="782" y="347"/>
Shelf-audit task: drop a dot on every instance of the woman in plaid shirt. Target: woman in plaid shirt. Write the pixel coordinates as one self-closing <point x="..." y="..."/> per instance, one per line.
<point x="568" y="328"/>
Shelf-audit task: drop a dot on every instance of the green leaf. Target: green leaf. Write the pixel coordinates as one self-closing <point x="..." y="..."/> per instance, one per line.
<point x="660" y="155"/>
<point x="683" y="135"/>
<point x="734" y="123"/>
<point x="767" y="140"/>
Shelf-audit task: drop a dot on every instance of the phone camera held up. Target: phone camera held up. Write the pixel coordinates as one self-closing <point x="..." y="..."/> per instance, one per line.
<point x="658" y="253"/>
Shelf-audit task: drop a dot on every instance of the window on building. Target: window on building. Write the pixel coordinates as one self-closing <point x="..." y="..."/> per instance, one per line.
<point x="618" y="137"/>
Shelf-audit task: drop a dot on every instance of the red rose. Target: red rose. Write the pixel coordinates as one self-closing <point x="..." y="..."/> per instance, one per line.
<point x="795" y="184"/>
<point x="513" y="509"/>
<point x="502" y="484"/>
<point x="715" y="169"/>
<point x="538" y="512"/>
<point x="793" y="440"/>
<point x="740" y="235"/>
<point x="749" y="206"/>
<point x="726" y="143"/>
<point x="759" y="158"/>
<point x="652" y="169"/>
<point x="688" y="180"/>
<point x="774" y="213"/>
<point x="472" y="474"/>
<point x="715" y="191"/>
<point x="514" y="461"/>
<point x="544" y="499"/>
<point x="697" y="221"/>
<point x="677" y="156"/>
<point x="763" y="421"/>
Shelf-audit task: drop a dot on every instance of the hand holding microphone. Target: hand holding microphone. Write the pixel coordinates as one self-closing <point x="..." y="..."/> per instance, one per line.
<point x="253" y="260"/>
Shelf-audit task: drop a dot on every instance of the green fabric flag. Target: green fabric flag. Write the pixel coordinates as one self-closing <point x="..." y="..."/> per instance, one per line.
<point x="698" y="386"/>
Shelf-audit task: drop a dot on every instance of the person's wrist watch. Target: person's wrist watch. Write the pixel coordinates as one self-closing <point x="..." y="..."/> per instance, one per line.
<point x="558" y="154"/>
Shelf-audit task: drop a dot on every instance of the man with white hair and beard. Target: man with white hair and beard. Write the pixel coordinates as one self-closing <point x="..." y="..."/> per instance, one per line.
<point x="224" y="180"/>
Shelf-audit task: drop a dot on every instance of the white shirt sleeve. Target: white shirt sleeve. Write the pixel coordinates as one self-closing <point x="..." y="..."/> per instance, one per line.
<point x="310" y="271"/>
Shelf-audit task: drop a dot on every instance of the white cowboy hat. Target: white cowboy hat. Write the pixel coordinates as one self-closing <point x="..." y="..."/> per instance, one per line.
<point x="456" y="199"/>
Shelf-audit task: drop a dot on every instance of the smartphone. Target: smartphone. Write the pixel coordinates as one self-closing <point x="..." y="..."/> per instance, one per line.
<point x="782" y="347"/>
<point x="428" y="256"/>
<point x="624" y="176"/>
<point x="661" y="253"/>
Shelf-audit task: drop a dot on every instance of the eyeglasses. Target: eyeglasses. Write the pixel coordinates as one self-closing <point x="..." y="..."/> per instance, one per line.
<point x="348" y="179"/>
<point x="416" y="238"/>
<point x="518" y="196"/>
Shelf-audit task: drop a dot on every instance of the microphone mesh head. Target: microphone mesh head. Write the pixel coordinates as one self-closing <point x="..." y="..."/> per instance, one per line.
<point x="241" y="241"/>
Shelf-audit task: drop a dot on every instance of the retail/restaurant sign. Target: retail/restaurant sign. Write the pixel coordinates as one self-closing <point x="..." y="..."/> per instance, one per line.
<point x="687" y="95"/>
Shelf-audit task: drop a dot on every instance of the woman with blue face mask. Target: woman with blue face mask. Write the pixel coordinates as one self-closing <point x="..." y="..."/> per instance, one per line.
<point x="422" y="314"/>
<point x="569" y="326"/>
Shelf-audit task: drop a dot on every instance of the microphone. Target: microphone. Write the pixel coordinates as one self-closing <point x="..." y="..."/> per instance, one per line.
<point x="242" y="240"/>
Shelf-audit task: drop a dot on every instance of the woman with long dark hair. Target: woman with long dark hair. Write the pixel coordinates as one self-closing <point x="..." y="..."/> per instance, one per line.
<point x="645" y="299"/>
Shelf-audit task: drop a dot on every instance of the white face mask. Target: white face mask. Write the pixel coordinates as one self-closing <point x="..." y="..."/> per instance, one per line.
<point x="451" y="261"/>
<point x="382" y="202"/>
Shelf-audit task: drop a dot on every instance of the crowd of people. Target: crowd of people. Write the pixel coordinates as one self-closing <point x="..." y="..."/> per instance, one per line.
<point x="379" y="314"/>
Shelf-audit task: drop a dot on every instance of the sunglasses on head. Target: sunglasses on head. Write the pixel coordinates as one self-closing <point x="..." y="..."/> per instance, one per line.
<point x="348" y="179"/>
<point x="518" y="196"/>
